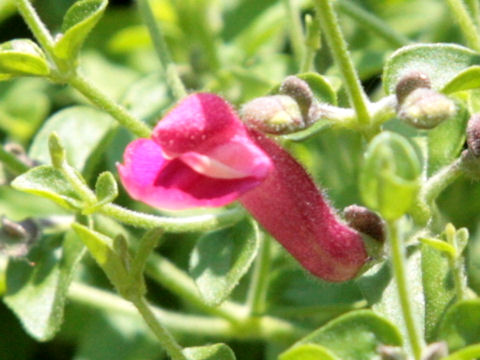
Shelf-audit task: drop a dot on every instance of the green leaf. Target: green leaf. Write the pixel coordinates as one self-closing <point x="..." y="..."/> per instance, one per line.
<point x="79" y="20"/>
<point x="221" y="258"/>
<point x="389" y="178"/>
<point x="321" y="87"/>
<point x="440" y="245"/>
<point x="469" y="353"/>
<point x="446" y="140"/>
<point x="438" y="285"/>
<point x="36" y="292"/>
<point x="106" y="187"/>
<point x="465" y="80"/>
<point x="209" y="352"/>
<point x="440" y="62"/>
<point x="293" y="293"/>
<point x="22" y="57"/>
<point x="48" y="182"/>
<point x="83" y="131"/>
<point x="355" y="336"/>
<point x="308" y="352"/>
<point x="461" y="325"/>
<point x="102" y="249"/>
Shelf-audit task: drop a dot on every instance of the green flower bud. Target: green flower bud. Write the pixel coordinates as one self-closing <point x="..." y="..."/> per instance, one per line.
<point x="425" y="108"/>
<point x="412" y="81"/>
<point x="276" y="114"/>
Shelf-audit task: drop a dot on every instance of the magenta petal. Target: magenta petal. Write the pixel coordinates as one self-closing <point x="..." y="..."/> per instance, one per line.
<point x="171" y="184"/>
<point x="198" y="123"/>
<point x="291" y="208"/>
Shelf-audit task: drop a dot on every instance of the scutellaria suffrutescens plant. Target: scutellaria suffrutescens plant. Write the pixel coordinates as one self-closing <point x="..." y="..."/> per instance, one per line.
<point x="268" y="141"/>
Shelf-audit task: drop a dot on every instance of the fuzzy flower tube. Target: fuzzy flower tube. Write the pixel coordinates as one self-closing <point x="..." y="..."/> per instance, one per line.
<point x="202" y="155"/>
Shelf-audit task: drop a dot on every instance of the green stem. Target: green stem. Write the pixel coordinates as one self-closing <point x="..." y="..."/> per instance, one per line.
<point x="295" y="31"/>
<point x="204" y="222"/>
<point x="259" y="281"/>
<point x="178" y="282"/>
<point x="313" y="42"/>
<point x="117" y="111"/>
<point x="474" y="8"/>
<point x="432" y="188"/>
<point x="397" y="256"/>
<point x="466" y="23"/>
<point x="12" y="162"/>
<point x="338" y="46"/>
<point x="372" y="23"/>
<point x="265" y="328"/>
<point x="156" y="33"/>
<point x="173" y="349"/>
<point x="145" y="248"/>
<point x="35" y="24"/>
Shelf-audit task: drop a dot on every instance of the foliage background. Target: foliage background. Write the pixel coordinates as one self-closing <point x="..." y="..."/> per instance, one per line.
<point x="239" y="49"/>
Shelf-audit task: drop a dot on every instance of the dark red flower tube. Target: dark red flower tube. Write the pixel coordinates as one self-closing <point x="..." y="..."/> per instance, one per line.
<point x="201" y="154"/>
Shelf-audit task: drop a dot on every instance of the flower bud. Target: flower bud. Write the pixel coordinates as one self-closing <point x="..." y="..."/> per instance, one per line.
<point x="473" y="134"/>
<point x="366" y="221"/>
<point x="410" y="82"/>
<point x="299" y="90"/>
<point x="425" y="108"/>
<point x="276" y="114"/>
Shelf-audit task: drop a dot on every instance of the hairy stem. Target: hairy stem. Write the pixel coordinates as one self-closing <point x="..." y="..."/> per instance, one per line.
<point x="259" y="281"/>
<point x="466" y="23"/>
<point x="156" y="33"/>
<point x="204" y="222"/>
<point x="117" y="111"/>
<point x="397" y="257"/>
<point x="35" y="24"/>
<point x="173" y="349"/>
<point x="338" y="46"/>
<point x="371" y="22"/>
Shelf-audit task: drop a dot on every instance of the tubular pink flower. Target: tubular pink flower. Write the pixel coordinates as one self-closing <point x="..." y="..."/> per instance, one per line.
<point x="201" y="154"/>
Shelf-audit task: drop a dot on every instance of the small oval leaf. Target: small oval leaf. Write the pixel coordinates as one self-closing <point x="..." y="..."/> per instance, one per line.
<point x="22" y="57"/>
<point x="209" y="352"/>
<point x="79" y="20"/>
<point x="355" y="336"/>
<point x="439" y="62"/>
<point x="221" y="258"/>
<point x="48" y="182"/>
<point x="465" y="80"/>
<point x="461" y="325"/>
<point x="308" y="352"/>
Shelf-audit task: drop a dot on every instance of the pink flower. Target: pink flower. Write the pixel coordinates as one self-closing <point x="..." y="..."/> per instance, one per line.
<point x="201" y="154"/>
